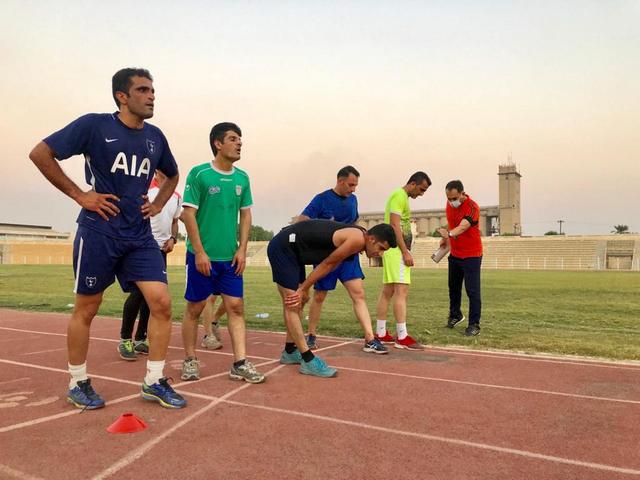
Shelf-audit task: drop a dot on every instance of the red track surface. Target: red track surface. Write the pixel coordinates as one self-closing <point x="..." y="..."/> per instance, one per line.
<point x="440" y="414"/>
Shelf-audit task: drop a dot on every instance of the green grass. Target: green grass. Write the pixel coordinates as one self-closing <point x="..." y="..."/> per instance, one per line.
<point x="578" y="313"/>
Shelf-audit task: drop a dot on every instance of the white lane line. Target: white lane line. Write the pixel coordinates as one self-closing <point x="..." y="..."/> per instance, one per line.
<point x="45" y="351"/>
<point x="109" y="402"/>
<point x="15" y="380"/>
<point x="376" y="372"/>
<point x="534" y="357"/>
<point x="448" y="440"/>
<point x="4" y="469"/>
<point x="112" y="340"/>
<point x="74" y="411"/>
<point x="139" y="452"/>
<point x="491" y="385"/>
<point x="542" y="358"/>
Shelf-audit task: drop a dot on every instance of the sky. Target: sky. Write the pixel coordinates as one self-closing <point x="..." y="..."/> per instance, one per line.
<point x="453" y="88"/>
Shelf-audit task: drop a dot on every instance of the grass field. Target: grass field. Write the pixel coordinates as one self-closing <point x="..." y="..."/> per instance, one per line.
<point x="579" y="313"/>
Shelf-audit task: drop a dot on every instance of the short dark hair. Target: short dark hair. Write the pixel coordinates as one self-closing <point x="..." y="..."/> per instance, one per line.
<point x="455" y="184"/>
<point x="121" y="81"/>
<point x="419" y="177"/>
<point x="344" y="172"/>
<point x="383" y="232"/>
<point x="218" y="131"/>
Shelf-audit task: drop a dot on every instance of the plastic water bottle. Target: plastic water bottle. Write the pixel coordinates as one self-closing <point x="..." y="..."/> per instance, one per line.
<point x="262" y="315"/>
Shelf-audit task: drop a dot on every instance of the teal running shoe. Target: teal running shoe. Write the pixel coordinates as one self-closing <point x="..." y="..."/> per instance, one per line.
<point x="291" y="358"/>
<point x="317" y="368"/>
<point x="162" y="393"/>
<point x="84" y="396"/>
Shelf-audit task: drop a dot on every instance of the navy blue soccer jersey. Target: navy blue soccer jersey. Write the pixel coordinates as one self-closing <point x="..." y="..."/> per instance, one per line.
<point x="328" y="205"/>
<point x="118" y="160"/>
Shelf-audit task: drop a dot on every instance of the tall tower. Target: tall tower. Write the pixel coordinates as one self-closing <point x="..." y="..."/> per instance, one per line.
<point x="509" y="197"/>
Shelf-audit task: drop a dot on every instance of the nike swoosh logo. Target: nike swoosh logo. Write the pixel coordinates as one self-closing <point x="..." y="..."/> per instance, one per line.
<point x="109" y="140"/>
<point x="164" y="272"/>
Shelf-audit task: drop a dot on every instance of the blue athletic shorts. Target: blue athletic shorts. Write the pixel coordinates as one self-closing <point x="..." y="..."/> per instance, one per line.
<point x="98" y="259"/>
<point x="223" y="280"/>
<point x="286" y="271"/>
<point x="347" y="270"/>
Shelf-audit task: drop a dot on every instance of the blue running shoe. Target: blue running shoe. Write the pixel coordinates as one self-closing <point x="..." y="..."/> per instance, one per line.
<point x="375" y="346"/>
<point x="84" y="396"/>
<point x="311" y="342"/>
<point x="291" y="358"/>
<point x="317" y="368"/>
<point x="162" y="393"/>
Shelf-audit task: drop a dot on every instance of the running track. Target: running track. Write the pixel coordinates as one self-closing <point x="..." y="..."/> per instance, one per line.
<point x="439" y="414"/>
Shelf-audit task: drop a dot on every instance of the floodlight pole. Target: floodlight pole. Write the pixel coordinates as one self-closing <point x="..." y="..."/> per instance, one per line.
<point x="560" y="222"/>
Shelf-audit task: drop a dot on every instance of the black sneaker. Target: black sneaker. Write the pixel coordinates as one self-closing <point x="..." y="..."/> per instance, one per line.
<point x="452" y="322"/>
<point x="375" y="346"/>
<point x="472" y="331"/>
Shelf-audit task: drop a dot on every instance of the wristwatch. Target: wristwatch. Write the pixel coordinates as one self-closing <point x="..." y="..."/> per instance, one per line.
<point x="451" y="236"/>
<point x="175" y="240"/>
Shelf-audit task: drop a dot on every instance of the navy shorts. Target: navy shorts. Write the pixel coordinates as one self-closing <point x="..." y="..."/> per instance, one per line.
<point x="223" y="280"/>
<point x="98" y="259"/>
<point x="347" y="270"/>
<point x="286" y="271"/>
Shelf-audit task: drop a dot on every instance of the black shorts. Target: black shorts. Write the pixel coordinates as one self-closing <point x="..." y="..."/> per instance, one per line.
<point x="285" y="267"/>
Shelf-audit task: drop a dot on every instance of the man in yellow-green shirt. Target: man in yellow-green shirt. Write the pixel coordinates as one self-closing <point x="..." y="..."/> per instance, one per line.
<point x="397" y="263"/>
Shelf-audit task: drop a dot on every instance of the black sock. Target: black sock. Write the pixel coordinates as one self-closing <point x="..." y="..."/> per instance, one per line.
<point x="308" y="356"/>
<point x="239" y="363"/>
<point x="290" y="347"/>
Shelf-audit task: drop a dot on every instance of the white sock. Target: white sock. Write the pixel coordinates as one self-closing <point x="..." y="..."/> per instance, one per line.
<point x="154" y="371"/>
<point x="381" y="328"/>
<point x="78" y="374"/>
<point x="401" y="328"/>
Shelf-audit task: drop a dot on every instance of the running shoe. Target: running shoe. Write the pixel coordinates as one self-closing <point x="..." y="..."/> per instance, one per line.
<point x="210" y="342"/>
<point x="246" y="372"/>
<point x="409" y="343"/>
<point x="215" y="329"/>
<point x="190" y="369"/>
<point x="317" y="368"/>
<point x="126" y="351"/>
<point x="162" y="393"/>
<point x="84" y="396"/>
<point x="141" y="346"/>
<point x="452" y="322"/>
<point x="386" y="338"/>
<point x="375" y="346"/>
<point x="472" y="330"/>
<point x="311" y="342"/>
<point x="290" y="358"/>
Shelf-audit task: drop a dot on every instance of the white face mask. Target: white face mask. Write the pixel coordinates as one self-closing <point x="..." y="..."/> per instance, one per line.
<point x="455" y="203"/>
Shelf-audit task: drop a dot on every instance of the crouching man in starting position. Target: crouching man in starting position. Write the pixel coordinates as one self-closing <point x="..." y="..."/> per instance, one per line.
<point x="324" y="243"/>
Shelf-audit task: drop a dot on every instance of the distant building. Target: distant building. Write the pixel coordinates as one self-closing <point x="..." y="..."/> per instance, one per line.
<point x="33" y="233"/>
<point x="494" y="219"/>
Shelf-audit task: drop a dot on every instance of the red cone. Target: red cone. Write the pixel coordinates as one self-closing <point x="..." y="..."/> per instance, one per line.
<point x="127" y="423"/>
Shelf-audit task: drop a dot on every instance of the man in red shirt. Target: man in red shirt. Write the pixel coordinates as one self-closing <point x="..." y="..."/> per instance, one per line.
<point x="465" y="259"/>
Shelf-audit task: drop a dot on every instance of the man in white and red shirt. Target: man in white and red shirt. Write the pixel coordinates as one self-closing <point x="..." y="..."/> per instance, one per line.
<point x="465" y="259"/>
<point x="164" y="227"/>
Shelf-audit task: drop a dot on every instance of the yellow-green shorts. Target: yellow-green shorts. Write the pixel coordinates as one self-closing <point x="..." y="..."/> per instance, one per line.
<point x="393" y="268"/>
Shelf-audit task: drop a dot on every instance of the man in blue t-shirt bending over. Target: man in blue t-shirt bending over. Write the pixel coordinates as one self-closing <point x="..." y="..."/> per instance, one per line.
<point x="341" y="205"/>
<point x="114" y="238"/>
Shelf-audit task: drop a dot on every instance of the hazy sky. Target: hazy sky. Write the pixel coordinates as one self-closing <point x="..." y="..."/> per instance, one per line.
<point x="391" y="87"/>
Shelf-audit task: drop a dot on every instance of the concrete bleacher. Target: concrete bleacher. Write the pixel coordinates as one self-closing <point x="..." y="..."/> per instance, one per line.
<point x="542" y="253"/>
<point x="524" y="253"/>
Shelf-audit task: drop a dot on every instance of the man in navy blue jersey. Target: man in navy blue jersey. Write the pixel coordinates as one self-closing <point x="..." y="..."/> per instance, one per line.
<point x="114" y="238"/>
<point x="341" y="205"/>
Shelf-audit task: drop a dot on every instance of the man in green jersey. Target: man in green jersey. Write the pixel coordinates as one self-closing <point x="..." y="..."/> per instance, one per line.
<point x="215" y="193"/>
<point x="397" y="263"/>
